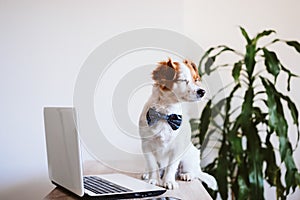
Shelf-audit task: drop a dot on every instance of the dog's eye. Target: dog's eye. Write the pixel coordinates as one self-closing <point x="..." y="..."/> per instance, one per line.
<point x="184" y="80"/>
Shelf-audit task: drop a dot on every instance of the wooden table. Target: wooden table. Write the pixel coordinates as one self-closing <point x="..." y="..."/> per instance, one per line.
<point x="193" y="190"/>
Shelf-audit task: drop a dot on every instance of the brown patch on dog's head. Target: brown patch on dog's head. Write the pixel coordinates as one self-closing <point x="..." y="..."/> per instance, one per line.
<point x="193" y="68"/>
<point x="165" y="74"/>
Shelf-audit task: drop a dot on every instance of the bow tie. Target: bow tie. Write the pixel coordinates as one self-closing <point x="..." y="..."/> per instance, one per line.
<point x="173" y="120"/>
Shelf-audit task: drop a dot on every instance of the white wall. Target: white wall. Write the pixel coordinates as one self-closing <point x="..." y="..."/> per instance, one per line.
<point x="44" y="43"/>
<point x="42" y="47"/>
<point x="212" y="23"/>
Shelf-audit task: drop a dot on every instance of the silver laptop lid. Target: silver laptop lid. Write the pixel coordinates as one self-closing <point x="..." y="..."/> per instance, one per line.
<point x="63" y="148"/>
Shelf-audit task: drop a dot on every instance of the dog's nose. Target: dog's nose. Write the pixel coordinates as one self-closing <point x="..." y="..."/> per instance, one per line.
<point x="200" y="92"/>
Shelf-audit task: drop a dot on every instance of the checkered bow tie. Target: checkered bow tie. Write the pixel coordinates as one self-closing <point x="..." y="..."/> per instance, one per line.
<point x="173" y="120"/>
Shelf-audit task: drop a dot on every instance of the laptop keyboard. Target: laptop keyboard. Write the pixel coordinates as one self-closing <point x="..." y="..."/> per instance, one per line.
<point x="102" y="186"/>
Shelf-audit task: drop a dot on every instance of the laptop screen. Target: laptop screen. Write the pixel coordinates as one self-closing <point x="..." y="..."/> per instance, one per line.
<point x="63" y="149"/>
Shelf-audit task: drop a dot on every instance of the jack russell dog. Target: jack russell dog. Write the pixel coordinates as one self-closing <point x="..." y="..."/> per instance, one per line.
<point x="167" y="148"/>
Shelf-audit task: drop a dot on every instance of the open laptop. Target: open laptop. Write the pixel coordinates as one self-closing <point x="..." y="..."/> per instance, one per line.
<point x="65" y="165"/>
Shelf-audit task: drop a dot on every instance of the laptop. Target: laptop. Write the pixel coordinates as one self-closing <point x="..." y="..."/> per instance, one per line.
<point x="65" y="164"/>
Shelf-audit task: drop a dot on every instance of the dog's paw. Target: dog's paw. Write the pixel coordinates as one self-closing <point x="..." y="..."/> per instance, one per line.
<point x="170" y="185"/>
<point x="153" y="181"/>
<point x="186" y="176"/>
<point x="145" y="176"/>
<point x="212" y="184"/>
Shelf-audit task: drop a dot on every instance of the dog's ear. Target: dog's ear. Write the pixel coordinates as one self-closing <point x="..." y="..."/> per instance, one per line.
<point x="193" y="68"/>
<point x="165" y="74"/>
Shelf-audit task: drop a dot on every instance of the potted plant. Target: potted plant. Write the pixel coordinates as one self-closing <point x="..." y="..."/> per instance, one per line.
<point x="249" y="119"/>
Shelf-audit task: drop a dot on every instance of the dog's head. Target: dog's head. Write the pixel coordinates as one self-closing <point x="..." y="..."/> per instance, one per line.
<point x="182" y="79"/>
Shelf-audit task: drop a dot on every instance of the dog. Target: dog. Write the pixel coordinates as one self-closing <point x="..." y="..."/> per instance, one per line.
<point x="168" y="151"/>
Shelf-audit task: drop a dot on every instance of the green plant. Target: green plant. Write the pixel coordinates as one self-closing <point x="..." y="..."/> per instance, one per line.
<point x="249" y="124"/>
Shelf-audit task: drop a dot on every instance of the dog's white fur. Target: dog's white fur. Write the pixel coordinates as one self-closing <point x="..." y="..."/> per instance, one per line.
<point x="167" y="151"/>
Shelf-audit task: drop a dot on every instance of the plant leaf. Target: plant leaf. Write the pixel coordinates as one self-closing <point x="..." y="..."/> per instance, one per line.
<point x="247" y="105"/>
<point x="294" y="44"/>
<point x="236" y="141"/>
<point x="243" y="166"/>
<point x="280" y="126"/>
<point x="206" y="140"/>
<point x="290" y="75"/>
<point x="297" y="176"/>
<point x="222" y="171"/>
<point x="237" y="70"/>
<point x="276" y="108"/>
<point x="277" y="119"/>
<point x="272" y="63"/>
<point x="210" y="61"/>
<point x="205" y="121"/>
<point x="225" y="48"/>
<point x="216" y="109"/>
<point x="250" y="58"/>
<point x="253" y="150"/>
<point x="260" y="117"/>
<point x="262" y="34"/>
<point x="272" y="171"/>
<point x="228" y="108"/>
<point x="211" y="169"/>
<point x="255" y="160"/>
<point x="243" y="192"/>
<point x="294" y="112"/>
<point x="194" y="123"/>
<point x="205" y="55"/>
<point x="292" y="107"/>
<point x="245" y="34"/>
<point x="291" y="170"/>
